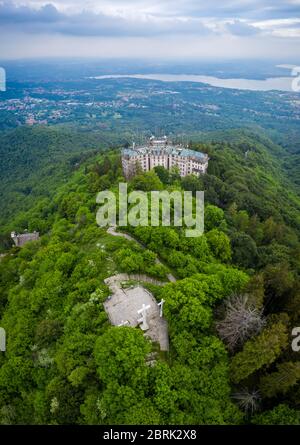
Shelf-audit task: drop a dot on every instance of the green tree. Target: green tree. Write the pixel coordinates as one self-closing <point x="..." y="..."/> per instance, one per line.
<point x="259" y="351"/>
<point x="120" y="356"/>
<point x="146" y="182"/>
<point x="214" y="218"/>
<point x="280" y="415"/>
<point x="280" y="381"/>
<point x="219" y="244"/>
<point x="162" y="173"/>
<point x="191" y="183"/>
<point x="244" y="250"/>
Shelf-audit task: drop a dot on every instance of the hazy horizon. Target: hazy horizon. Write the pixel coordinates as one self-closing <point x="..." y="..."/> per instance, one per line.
<point x="244" y="29"/>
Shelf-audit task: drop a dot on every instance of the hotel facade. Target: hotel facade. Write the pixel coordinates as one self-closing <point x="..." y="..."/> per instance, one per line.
<point x="162" y="152"/>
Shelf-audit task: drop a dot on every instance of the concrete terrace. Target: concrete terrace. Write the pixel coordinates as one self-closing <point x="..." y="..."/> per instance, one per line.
<point x="124" y="303"/>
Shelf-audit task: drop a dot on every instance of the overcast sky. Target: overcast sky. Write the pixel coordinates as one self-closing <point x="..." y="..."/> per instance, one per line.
<point x="153" y="28"/>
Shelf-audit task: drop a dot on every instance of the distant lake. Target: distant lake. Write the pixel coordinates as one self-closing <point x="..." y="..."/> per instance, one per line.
<point x="272" y="83"/>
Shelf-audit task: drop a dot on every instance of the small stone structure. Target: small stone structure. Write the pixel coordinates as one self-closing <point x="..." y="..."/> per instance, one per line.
<point x="23" y="238"/>
<point x="133" y="306"/>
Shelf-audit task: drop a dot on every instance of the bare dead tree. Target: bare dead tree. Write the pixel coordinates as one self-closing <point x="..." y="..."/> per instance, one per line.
<point x="242" y="321"/>
<point x="248" y="400"/>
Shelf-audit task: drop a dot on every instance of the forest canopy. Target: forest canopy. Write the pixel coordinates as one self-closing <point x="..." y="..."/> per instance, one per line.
<point x="230" y="313"/>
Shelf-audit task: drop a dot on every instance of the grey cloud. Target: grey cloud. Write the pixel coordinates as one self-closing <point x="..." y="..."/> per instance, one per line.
<point x="48" y="19"/>
<point x="239" y="28"/>
<point x="171" y="18"/>
<point x="250" y="9"/>
<point x="10" y="14"/>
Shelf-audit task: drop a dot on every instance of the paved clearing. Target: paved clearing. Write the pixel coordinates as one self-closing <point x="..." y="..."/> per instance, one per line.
<point x="123" y="305"/>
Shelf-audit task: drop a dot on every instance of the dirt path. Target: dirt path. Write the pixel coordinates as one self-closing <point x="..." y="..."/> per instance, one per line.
<point x="112" y="231"/>
<point x="115" y="281"/>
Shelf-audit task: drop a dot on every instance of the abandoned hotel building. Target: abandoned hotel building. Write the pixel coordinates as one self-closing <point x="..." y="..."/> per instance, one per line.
<point x="166" y="154"/>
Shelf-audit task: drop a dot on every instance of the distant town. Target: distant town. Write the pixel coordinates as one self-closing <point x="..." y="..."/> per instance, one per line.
<point x="127" y="103"/>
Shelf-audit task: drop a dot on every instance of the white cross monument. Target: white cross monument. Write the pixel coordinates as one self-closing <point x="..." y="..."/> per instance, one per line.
<point x="143" y="320"/>
<point x="161" y="304"/>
